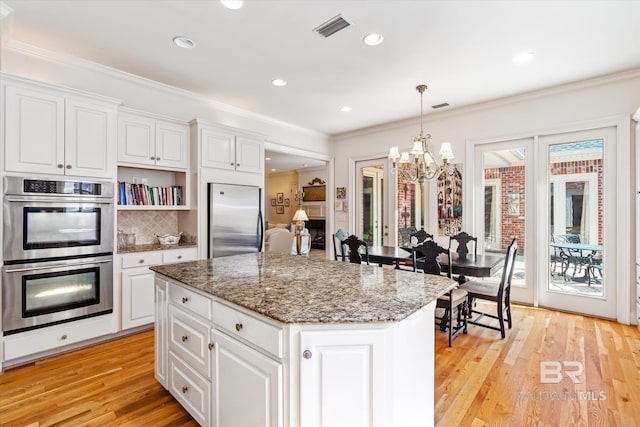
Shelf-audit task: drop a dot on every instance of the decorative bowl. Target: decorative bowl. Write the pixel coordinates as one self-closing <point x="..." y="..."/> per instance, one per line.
<point x="168" y="239"/>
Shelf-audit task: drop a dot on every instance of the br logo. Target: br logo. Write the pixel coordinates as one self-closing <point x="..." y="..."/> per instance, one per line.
<point x="553" y="372"/>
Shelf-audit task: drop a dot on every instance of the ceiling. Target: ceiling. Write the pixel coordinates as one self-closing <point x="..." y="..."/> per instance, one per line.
<point x="277" y="162"/>
<point x="462" y="50"/>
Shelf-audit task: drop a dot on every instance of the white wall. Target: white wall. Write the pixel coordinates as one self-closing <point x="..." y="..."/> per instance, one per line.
<point x="150" y="96"/>
<point x="502" y="119"/>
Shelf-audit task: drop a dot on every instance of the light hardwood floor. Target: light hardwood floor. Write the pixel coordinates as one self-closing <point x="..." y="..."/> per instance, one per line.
<point x="481" y="380"/>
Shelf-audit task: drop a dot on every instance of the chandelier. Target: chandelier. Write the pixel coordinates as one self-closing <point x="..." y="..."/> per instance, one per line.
<point x="420" y="163"/>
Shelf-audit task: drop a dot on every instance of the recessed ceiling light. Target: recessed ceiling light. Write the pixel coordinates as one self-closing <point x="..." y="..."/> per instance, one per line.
<point x="279" y="82"/>
<point x="523" y="57"/>
<point x="373" y="39"/>
<point x="273" y="170"/>
<point x="345" y="109"/>
<point x="184" y="42"/>
<point x="232" y="4"/>
<point x="267" y="158"/>
<point x="305" y="165"/>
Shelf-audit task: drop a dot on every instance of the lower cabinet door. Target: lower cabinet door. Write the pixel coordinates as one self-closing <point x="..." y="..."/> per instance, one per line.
<point x="137" y="297"/>
<point x="248" y="389"/>
<point x="190" y="389"/>
<point x="341" y="378"/>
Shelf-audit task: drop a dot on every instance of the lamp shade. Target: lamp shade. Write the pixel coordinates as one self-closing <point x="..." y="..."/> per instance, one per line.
<point x="300" y="215"/>
<point x="446" y="152"/>
<point x="394" y="154"/>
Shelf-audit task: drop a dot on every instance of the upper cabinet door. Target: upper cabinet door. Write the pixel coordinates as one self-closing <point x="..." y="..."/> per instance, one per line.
<point x="136" y="140"/>
<point x="218" y="149"/>
<point x="89" y="139"/>
<point x="249" y="155"/>
<point x="34" y="131"/>
<point x="172" y="145"/>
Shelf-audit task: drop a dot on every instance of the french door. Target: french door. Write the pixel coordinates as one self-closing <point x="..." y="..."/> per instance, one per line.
<point x="577" y="225"/>
<point x="504" y="199"/>
<point x="371" y="222"/>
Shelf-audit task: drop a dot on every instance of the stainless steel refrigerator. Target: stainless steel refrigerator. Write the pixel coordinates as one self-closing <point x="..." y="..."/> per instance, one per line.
<point x="235" y="224"/>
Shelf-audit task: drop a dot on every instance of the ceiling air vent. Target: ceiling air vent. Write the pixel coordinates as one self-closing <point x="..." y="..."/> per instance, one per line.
<point x="444" y="104"/>
<point x="332" y="26"/>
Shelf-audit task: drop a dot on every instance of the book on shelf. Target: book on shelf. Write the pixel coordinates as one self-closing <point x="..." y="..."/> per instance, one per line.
<point x="130" y="194"/>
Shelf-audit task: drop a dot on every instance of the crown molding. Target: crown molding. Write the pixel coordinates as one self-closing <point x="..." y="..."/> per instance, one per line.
<point x="74" y="61"/>
<point x="633" y="73"/>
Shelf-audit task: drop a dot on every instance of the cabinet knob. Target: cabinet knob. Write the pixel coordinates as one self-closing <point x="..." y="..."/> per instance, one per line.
<point x="231" y="163"/>
<point x="141" y="261"/>
<point x="68" y="166"/>
<point x="185" y="338"/>
<point x="237" y="164"/>
<point x="64" y="337"/>
<point x="179" y="256"/>
<point x="307" y="354"/>
<point x="157" y="158"/>
<point x="211" y="346"/>
<point x="60" y="165"/>
<point x="238" y="327"/>
<point x="185" y="300"/>
<point x="153" y="158"/>
<point x="185" y="389"/>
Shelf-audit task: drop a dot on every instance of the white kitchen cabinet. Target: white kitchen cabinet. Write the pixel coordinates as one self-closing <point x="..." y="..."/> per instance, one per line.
<point x="229" y="149"/>
<point x="137" y="283"/>
<point x="636" y="117"/>
<point x="248" y="386"/>
<point x="55" y="132"/>
<point x="340" y="377"/>
<point x="266" y="373"/>
<point x="161" y="337"/>
<point x="144" y="140"/>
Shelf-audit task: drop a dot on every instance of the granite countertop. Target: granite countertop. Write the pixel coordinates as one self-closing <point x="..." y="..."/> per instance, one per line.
<point x="154" y="247"/>
<point x="299" y="289"/>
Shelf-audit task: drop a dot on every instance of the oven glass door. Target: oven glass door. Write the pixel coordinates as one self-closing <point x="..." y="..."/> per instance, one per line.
<point x="39" y="294"/>
<point x="60" y="227"/>
<point x="54" y="292"/>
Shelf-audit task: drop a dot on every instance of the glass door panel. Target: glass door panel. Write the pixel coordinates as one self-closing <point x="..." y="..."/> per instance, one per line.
<point x="371" y="223"/>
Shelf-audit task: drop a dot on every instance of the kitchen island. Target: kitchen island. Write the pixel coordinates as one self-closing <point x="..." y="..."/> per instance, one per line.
<point x="280" y="340"/>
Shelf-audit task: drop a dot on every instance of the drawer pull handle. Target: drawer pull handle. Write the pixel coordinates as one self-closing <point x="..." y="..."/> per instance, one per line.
<point x="238" y="327"/>
<point x="185" y="389"/>
<point x="185" y="338"/>
<point x="307" y="354"/>
<point x="64" y="337"/>
<point x="185" y="300"/>
<point x="211" y="346"/>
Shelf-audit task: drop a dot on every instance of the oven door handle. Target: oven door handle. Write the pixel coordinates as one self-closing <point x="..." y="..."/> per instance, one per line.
<point x="60" y="199"/>
<point x="50" y="266"/>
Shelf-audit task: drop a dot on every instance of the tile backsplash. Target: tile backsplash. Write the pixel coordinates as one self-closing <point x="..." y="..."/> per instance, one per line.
<point x="147" y="223"/>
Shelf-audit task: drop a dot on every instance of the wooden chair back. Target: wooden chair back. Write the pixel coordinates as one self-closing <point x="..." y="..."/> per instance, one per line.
<point x="354" y="244"/>
<point x="463" y="239"/>
<point x="419" y="237"/>
<point x="426" y="255"/>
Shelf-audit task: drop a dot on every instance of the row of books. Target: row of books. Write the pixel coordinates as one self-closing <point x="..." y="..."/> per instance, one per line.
<point x="142" y="194"/>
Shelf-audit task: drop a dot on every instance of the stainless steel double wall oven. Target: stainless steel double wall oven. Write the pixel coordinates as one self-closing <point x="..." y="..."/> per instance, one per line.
<point x="57" y="251"/>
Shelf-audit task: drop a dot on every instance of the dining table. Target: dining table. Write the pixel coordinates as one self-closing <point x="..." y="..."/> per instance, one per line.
<point x="579" y="254"/>
<point x="483" y="265"/>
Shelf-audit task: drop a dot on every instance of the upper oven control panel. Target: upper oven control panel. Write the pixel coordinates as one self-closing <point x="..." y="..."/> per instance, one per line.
<point x="19" y="186"/>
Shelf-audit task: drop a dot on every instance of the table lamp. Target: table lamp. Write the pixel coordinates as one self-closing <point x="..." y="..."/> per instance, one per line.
<point x="299" y="217"/>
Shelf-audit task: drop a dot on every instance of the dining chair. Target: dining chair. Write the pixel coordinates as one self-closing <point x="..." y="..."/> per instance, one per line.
<point x="354" y="244"/>
<point x="464" y="239"/>
<point x="405" y="235"/>
<point x="429" y="252"/>
<point x="571" y="256"/>
<point x="500" y="294"/>
<point x="340" y="235"/>
<point x="419" y="237"/>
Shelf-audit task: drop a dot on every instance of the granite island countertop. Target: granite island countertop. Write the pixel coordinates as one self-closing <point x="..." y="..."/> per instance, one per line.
<point x="299" y="289"/>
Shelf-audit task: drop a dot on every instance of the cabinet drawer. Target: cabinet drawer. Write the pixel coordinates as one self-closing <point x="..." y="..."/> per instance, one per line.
<point x="190" y="300"/>
<point x="190" y="389"/>
<point x="52" y="337"/>
<point x="141" y="259"/>
<point x="179" y="255"/>
<point x="189" y="339"/>
<point x="253" y="330"/>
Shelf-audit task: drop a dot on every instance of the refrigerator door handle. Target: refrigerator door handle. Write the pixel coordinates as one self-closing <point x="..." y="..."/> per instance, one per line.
<point x="260" y="230"/>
